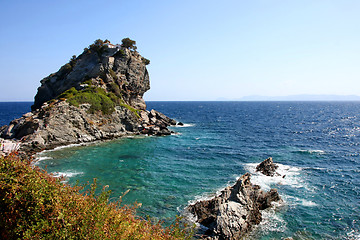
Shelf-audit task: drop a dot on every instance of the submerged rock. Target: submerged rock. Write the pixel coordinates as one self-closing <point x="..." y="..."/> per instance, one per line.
<point x="235" y="211"/>
<point x="268" y="167"/>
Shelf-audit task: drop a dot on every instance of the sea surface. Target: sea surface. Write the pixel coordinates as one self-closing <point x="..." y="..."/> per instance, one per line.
<point x="316" y="144"/>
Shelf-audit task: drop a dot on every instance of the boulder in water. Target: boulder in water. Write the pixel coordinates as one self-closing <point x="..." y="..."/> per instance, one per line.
<point x="235" y="211"/>
<point x="268" y="167"/>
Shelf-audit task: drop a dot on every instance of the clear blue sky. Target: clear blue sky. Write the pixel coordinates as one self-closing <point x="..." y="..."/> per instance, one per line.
<point x="199" y="50"/>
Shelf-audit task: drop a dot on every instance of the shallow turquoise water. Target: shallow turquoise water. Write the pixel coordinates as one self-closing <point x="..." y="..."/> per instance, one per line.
<point x="316" y="145"/>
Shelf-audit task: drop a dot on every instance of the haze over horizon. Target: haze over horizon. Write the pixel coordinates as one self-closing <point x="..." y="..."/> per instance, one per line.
<point x="199" y="50"/>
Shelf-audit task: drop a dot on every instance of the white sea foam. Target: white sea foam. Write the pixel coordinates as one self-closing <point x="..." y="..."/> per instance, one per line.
<point x="312" y="151"/>
<point x="66" y="174"/>
<point x="293" y="201"/>
<point x="272" y="221"/>
<point x="185" y="125"/>
<point x="288" y="176"/>
<point x="69" y="146"/>
<point x="40" y="158"/>
<point x="208" y="195"/>
<point x="308" y="203"/>
<point x="176" y="134"/>
<point x="353" y="235"/>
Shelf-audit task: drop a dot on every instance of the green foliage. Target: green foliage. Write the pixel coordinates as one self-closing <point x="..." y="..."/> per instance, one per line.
<point x="99" y="42"/>
<point x="35" y="205"/>
<point x="135" y="111"/>
<point x="114" y="98"/>
<point x="88" y="81"/>
<point x="119" y="53"/>
<point x="52" y="101"/>
<point x="115" y="89"/>
<point x="128" y="43"/>
<point x="68" y="93"/>
<point x="73" y="61"/>
<point x="96" y="98"/>
<point x="98" y="46"/>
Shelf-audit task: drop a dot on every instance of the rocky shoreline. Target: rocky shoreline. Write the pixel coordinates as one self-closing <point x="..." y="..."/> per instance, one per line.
<point x="99" y="96"/>
<point x="96" y="96"/>
<point x="63" y="124"/>
<point x="235" y="211"/>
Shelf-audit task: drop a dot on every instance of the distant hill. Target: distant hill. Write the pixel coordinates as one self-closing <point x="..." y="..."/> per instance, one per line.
<point x="303" y="97"/>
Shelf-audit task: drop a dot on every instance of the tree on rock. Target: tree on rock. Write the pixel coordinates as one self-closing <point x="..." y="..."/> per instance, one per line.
<point x="128" y="43"/>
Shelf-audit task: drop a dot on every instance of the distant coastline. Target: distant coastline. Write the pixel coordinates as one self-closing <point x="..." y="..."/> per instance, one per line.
<point x="256" y="98"/>
<point x="301" y="97"/>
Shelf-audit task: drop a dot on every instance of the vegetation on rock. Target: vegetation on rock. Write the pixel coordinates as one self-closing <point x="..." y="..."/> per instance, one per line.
<point x="98" y="98"/>
<point x="128" y="43"/>
<point x="36" y="205"/>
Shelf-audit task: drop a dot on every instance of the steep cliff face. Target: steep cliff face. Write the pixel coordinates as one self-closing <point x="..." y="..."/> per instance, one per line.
<point x="111" y="67"/>
<point x="98" y="95"/>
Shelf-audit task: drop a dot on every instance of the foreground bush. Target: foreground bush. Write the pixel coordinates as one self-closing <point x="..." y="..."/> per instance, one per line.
<point x="35" y="205"/>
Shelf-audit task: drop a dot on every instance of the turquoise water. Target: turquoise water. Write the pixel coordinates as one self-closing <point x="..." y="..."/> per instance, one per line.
<point x="315" y="143"/>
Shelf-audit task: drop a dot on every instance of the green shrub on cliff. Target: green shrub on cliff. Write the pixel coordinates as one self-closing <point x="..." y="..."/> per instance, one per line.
<point x="115" y="89"/>
<point x="97" y="98"/>
<point x="135" y="111"/>
<point x="73" y="61"/>
<point x="35" y="205"/>
<point x="128" y="43"/>
<point x="98" y="46"/>
<point x="68" y="93"/>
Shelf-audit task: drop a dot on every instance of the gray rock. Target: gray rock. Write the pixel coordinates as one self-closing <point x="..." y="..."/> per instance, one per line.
<point x="268" y="167"/>
<point x="118" y="71"/>
<point x="235" y="211"/>
<point x="127" y="71"/>
<point x="155" y="123"/>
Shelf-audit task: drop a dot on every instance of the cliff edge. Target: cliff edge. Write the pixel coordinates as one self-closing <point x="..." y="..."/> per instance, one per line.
<point x="97" y="95"/>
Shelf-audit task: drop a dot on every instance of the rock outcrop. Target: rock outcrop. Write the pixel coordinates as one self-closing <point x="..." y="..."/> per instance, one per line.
<point x="112" y="67"/>
<point x="268" y="167"/>
<point x="235" y="211"/>
<point x="98" y="95"/>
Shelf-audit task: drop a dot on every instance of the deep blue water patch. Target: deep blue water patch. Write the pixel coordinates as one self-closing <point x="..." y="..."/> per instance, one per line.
<point x="12" y="110"/>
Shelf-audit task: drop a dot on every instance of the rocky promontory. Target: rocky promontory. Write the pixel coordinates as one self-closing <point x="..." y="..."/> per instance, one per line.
<point x="97" y="95"/>
<point x="233" y="213"/>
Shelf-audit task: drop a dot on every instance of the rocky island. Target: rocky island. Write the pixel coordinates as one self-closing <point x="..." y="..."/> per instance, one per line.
<point x="95" y="96"/>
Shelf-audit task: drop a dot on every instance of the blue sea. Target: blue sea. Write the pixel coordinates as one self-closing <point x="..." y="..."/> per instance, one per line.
<point x="316" y="144"/>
